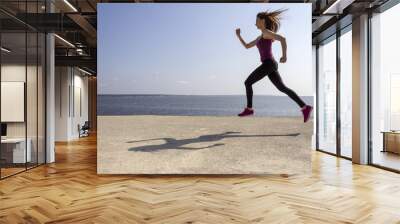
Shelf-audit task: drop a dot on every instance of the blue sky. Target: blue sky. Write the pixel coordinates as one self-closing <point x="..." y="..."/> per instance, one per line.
<point x="192" y="49"/>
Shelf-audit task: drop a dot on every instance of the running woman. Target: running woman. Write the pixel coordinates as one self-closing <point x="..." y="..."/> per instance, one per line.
<point x="268" y="23"/>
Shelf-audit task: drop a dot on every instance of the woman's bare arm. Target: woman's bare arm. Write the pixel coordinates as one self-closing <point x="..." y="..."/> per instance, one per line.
<point x="246" y="45"/>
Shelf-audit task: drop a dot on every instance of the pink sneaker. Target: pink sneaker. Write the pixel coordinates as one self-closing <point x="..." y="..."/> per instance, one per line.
<point x="246" y="112"/>
<point x="306" y="112"/>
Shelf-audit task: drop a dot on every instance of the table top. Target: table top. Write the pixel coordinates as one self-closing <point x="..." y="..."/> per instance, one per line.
<point x="391" y="132"/>
<point x="13" y="140"/>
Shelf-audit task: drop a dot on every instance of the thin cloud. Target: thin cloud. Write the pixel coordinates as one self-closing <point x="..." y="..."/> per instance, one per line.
<point x="183" y="82"/>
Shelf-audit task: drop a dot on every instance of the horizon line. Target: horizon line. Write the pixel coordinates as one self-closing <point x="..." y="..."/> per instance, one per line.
<point x="130" y="94"/>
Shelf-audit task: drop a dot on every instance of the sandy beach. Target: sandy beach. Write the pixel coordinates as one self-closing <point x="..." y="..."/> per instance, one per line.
<point x="148" y="144"/>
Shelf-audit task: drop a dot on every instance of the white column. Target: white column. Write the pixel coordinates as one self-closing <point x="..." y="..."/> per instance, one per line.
<point x="50" y="91"/>
<point x="360" y="90"/>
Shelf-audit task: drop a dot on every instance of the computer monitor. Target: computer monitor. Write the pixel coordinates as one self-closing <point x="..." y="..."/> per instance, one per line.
<point x="3" y="129"/>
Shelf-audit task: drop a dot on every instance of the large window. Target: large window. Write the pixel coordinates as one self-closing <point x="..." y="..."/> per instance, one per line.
<point x="385" y="89"/>
<point x="327" y="96"/>
<point x="22" y="88"/>
<point x="335" y="74"/>
<point x="346" y="93"/>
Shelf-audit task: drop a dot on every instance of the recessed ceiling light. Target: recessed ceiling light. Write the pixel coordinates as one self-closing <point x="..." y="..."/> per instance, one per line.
<point x="64" y="40"/>
<point x="84" y="71"/>
<point x="337" y="3"/>
<point x="5" y="49"/>
<point x="70" y="5"/>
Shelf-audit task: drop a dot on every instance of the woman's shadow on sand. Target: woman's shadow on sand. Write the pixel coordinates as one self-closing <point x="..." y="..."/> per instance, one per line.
<point x="172" y="143"/>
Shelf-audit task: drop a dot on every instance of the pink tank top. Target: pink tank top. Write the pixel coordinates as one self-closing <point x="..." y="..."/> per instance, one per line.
<point x="265" y="48"/>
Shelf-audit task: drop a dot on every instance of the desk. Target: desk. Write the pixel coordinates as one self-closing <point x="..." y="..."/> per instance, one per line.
<point x="16" y="148"/>
<point x="391" y="141"/>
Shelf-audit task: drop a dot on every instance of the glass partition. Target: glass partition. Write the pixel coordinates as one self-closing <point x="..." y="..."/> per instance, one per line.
<point x="22" y="101"/>
<point x="13" y="94"/>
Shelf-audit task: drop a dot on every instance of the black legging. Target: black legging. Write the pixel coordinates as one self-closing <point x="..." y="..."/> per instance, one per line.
<point x="269" y="67"/>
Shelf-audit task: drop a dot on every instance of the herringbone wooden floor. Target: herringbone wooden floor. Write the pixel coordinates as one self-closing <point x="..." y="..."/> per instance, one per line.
<point x="69" y="191"/>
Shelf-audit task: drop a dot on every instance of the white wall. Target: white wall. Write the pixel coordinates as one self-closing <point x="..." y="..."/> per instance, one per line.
<point x="12" y="73"/>
<point x="33" y="126"/>
<point x="62" y="81"/>
<point x="79" y="117"/>
<point x="70" y="83"/>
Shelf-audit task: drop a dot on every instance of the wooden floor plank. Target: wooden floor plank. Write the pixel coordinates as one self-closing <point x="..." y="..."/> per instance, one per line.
<point x="70" y="191"/>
